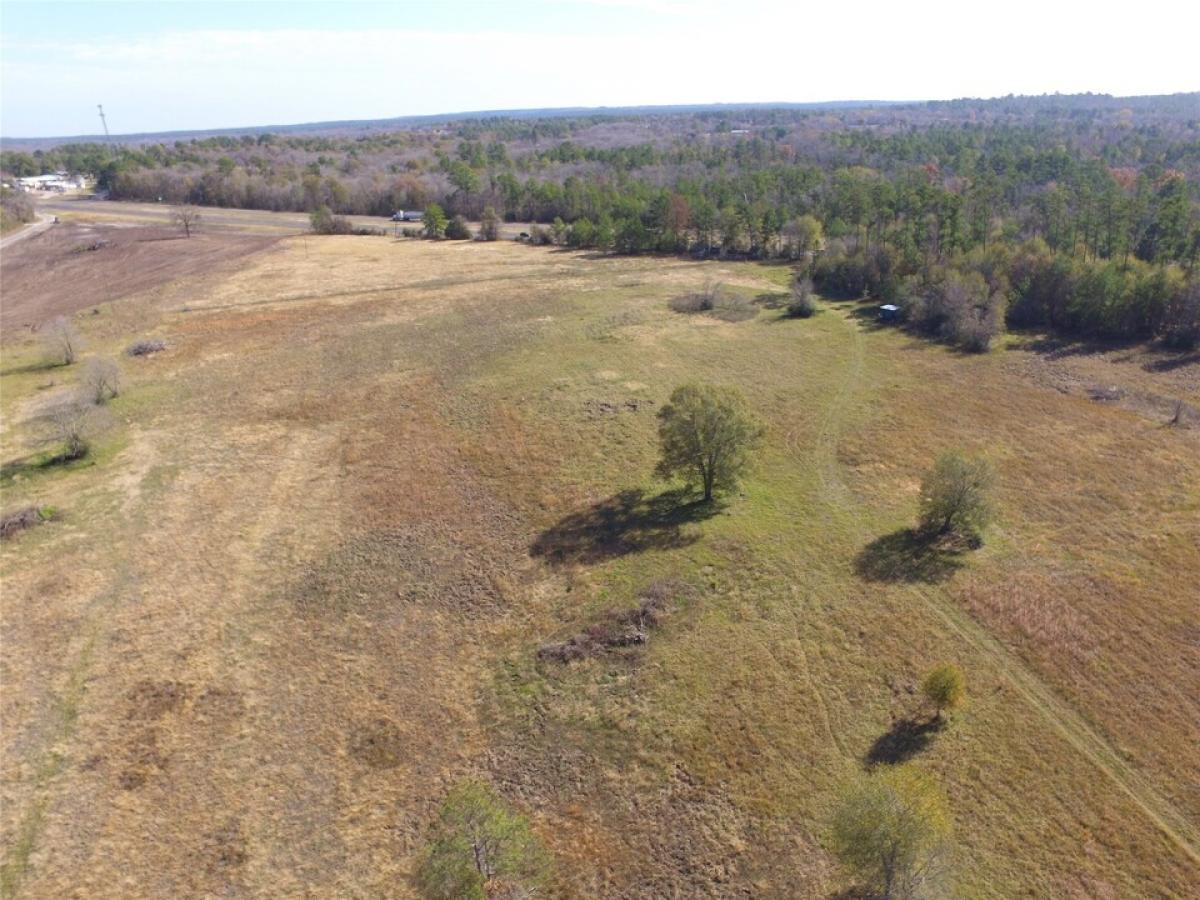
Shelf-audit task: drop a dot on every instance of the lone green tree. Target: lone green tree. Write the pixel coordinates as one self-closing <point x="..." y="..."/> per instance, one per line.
<point x="945" y="687"/>
<point x="481" y="848"/>
<point x="435" y="221"/>
<point x="891" y="831"/>
<point x="956" y="497"/>
<point x="705" y="436"/>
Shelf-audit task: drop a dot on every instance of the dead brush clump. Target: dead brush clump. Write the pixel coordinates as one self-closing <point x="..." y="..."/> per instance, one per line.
<point x="12" y="524"/>
<point x="717" y="301"/>
<point x="618" y="628"/>
<point x="145" y="347"/>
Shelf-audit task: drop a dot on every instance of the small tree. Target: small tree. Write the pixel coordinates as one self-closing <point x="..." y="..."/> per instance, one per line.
<point x="185" y="218"/>
<point x="458" y="230"/>
<point x="891" y="831"/>
<point x="955" y="497"/>
<point x="100" y="380"/>
<point x="480" y="846"/>
<point x="945" y="687"/>
<point x="61" y="341"/>
<point x="435" y="222"/>
<point x="489" y="225"/>
<point x="705" y="434"/>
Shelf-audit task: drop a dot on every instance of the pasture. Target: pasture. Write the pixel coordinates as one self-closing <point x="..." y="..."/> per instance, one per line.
<point x="297" y="590"/>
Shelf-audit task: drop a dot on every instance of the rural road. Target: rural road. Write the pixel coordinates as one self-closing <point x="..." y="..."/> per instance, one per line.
<point x="225" y="219"/>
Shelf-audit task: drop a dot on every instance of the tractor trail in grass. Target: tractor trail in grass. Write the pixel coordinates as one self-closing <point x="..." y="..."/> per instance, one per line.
<point x="1071" y="726"/>
<point x="1059" y="714"/>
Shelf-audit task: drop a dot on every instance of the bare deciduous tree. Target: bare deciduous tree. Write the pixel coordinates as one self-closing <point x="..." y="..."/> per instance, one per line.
<point x="70" y="421"/>
<point x="100" y="380"/>
<point x="61" y="341"/>
<point x="186" y="218"/>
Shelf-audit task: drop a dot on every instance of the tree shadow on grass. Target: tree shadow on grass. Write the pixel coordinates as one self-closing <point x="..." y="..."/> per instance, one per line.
<point x="909" y="555"/>
<point x="27" y="465"/>
<point x="627" y="522"/>
<point x="32" y="367"/>
<point x="905" y="739"/>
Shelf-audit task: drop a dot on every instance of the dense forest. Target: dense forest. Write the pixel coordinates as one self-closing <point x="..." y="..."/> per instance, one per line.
<point x="1077" y="213"/>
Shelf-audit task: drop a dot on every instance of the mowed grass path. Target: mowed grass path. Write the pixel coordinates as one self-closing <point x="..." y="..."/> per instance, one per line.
<point x="301" y="592"/>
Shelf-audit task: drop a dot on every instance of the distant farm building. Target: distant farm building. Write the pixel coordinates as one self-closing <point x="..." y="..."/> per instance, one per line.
<point x="889" y="312"/>
<point x="407" y="215"/>
<point x="56" y="182"/>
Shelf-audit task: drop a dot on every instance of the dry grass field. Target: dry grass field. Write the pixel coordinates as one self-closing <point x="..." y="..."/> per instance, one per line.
<point x="297" y="590"/>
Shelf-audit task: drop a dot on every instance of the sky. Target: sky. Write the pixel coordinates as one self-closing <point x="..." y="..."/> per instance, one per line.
<point x="166" y="66"/>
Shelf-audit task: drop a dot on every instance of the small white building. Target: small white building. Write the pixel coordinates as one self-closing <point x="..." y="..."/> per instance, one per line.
<point x="56" y="182"/>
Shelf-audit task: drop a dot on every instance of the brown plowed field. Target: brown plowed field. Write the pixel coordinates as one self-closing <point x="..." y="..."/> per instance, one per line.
<point x="99" y="263"/>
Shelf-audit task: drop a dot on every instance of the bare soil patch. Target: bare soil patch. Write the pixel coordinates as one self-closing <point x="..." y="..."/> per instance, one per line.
<point x="74" y="266"/>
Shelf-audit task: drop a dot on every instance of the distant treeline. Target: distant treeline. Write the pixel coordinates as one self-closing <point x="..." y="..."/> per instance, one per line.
<point x="1076" y="213"/>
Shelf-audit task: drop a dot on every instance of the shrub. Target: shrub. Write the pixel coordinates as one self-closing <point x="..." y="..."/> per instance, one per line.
<point x="489" y="225"/>
<point x="458" y="230"/>
<point x="100" y="380"/>
<point x="945" y="687"/>
<point x="70" y="422"/>
<point x="325" y="222"/>
<point x="703" y="300"/>
<point x="718" y="302"/>
<point x="705" y="436"/>
<point x="802" y="305"/>
<point x="435" y="222"/>
<point x="955" y="497"/>
<point x="540" y="236"/>
<point x="16" y="208"/>
<point x="1181" y="318"/>
<point x="480" y="847"/>
<point x="891" y="831"/>
<point x="61" y="341"/>
<point x="960" y="308"/>
<point x="145" y="347"/>
<point x="582" y="234"/>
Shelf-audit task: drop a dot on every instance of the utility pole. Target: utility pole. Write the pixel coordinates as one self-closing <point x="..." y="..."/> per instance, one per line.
<point x="107" y="143"/>
<point x="104" y="122"/>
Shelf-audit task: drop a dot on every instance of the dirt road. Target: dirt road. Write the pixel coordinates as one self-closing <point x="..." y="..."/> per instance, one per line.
<point x="249" y="220"/>
<point x="43" y="222"/>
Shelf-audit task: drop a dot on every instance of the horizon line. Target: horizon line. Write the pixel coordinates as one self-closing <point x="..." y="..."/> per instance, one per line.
<point x="547" y="111"/>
